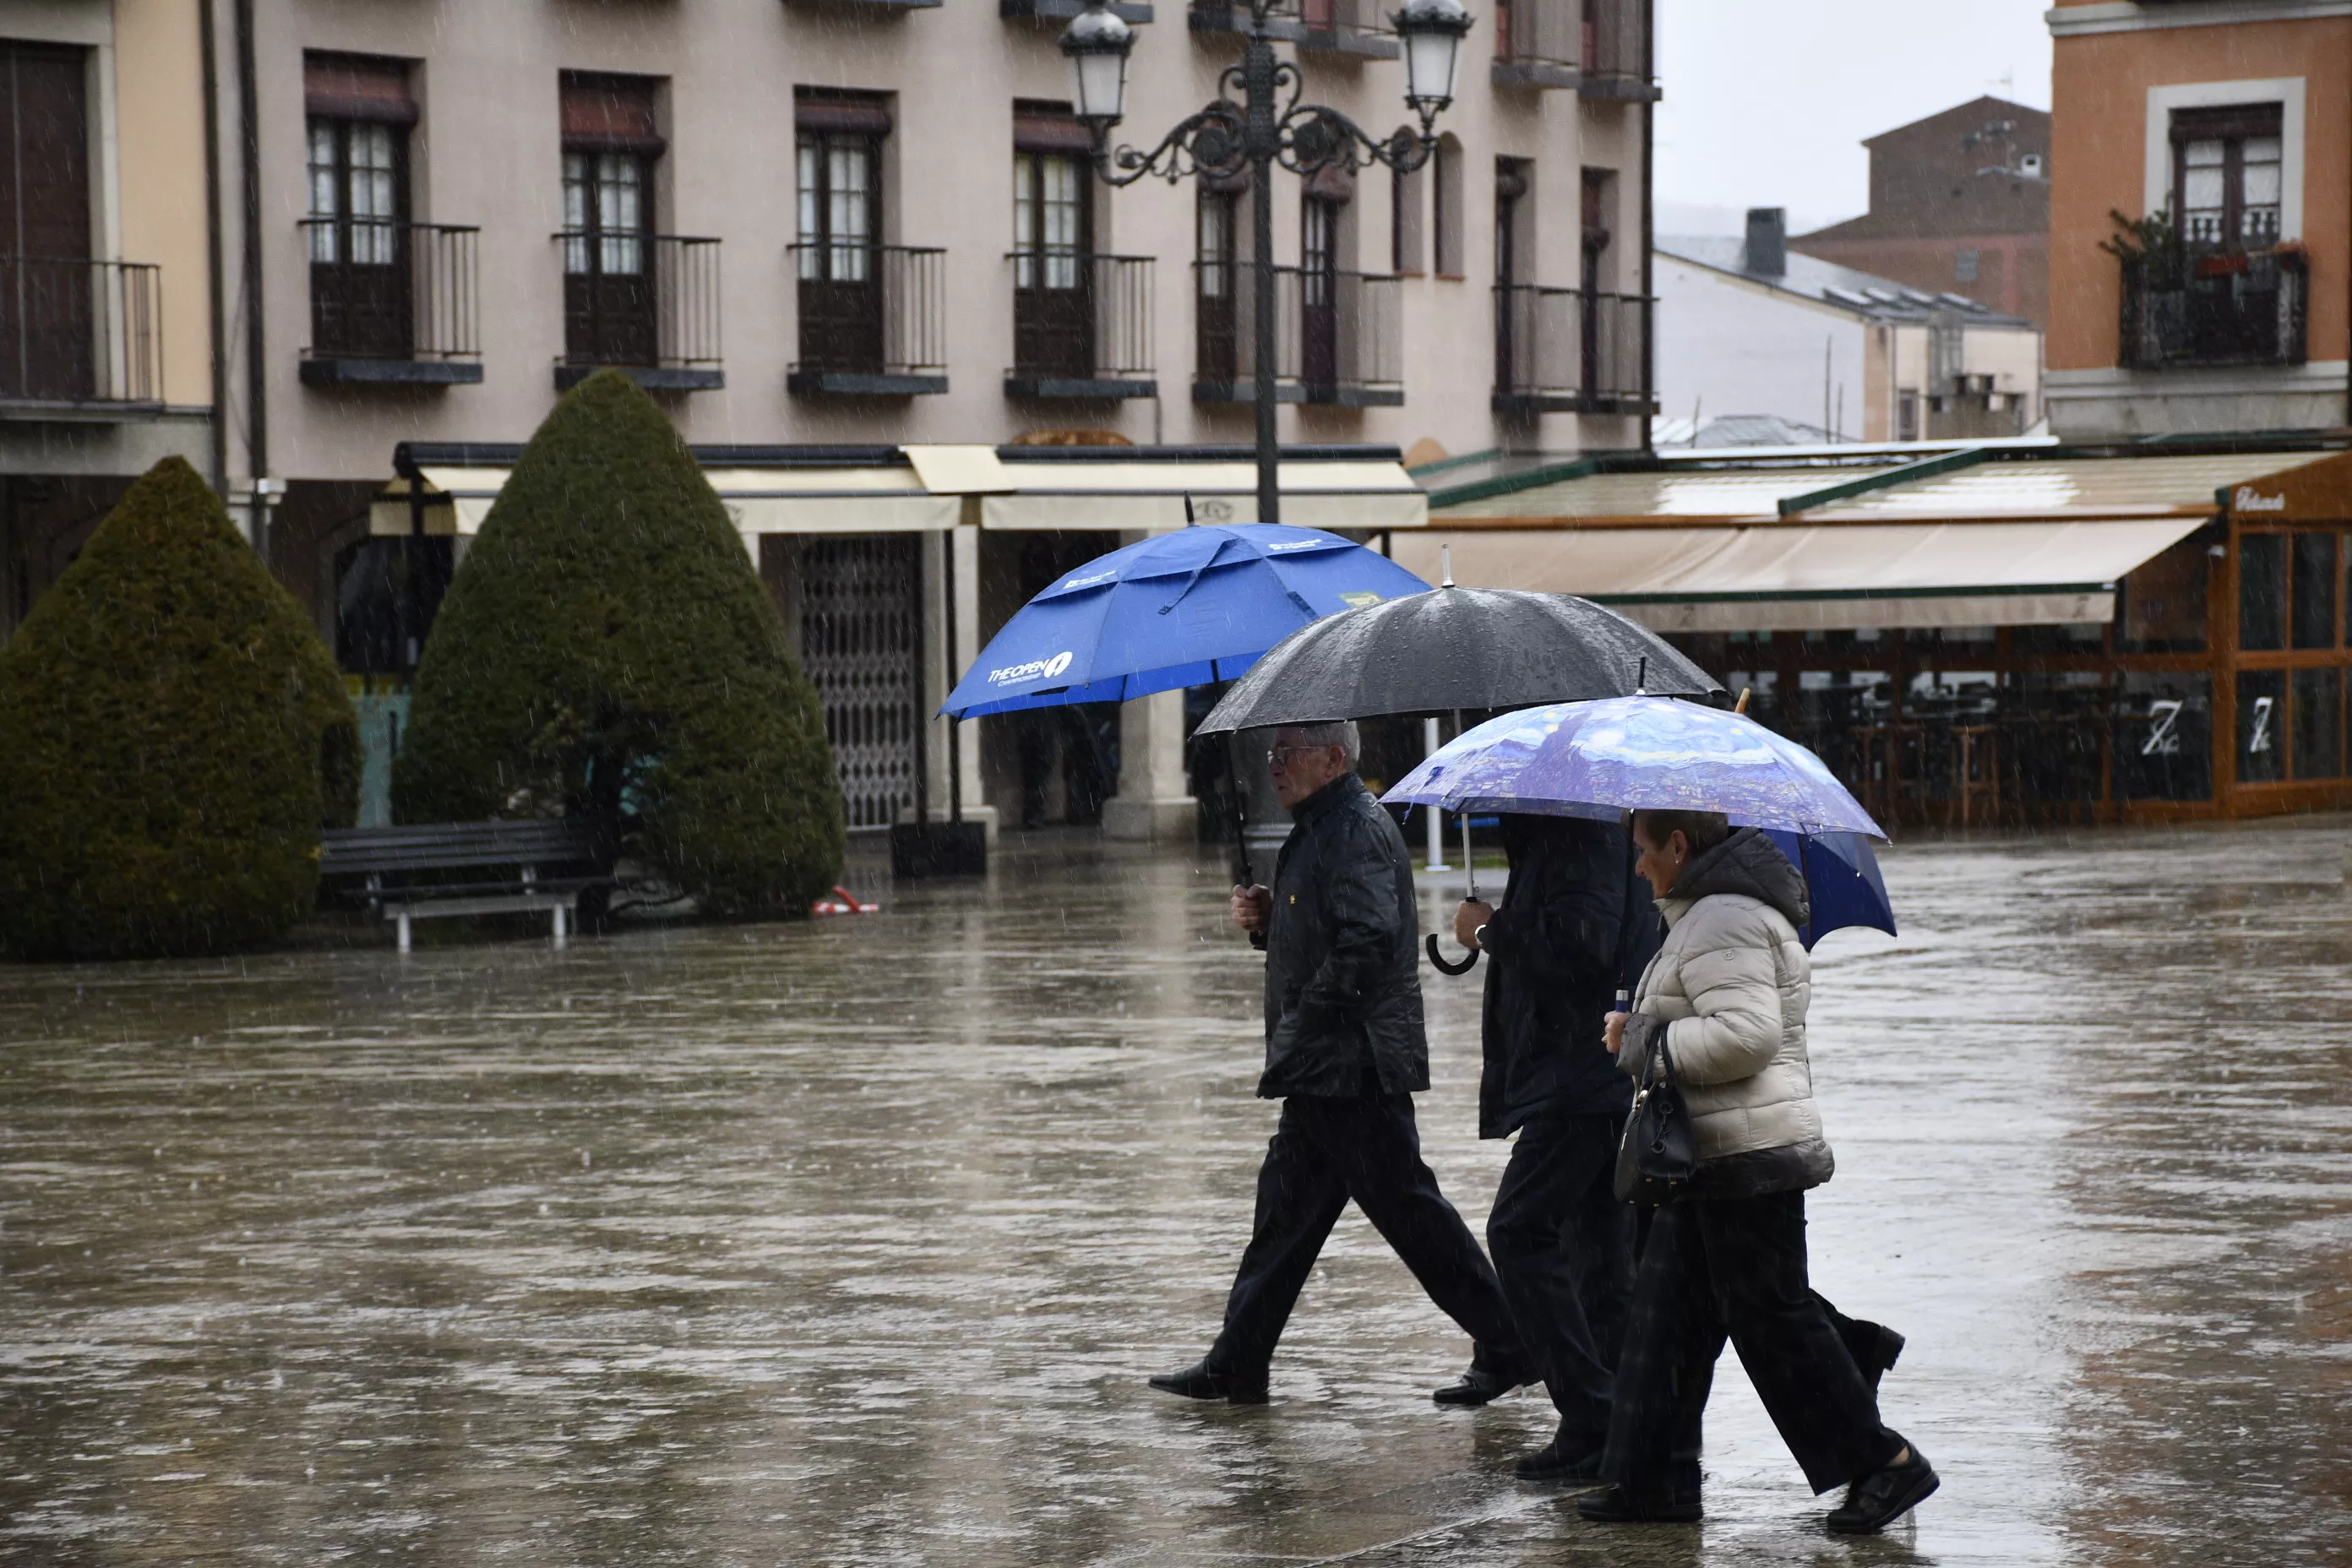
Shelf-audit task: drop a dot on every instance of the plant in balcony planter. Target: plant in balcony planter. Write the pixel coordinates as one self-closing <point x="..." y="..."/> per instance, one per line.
<point x="606" y="652"/>
<point x="173" y="737"/>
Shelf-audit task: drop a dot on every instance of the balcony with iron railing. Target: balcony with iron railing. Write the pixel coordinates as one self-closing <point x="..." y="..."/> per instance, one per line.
<point x="1233" y="16"/>
<point x="79" y="339"/>
<point x="1338" y="337"/>
<point x="1062" y="10"/>
<point x="1081" y="326"/>
<point x="391" y="303"/>
<point x="873" y="320"/>
<point x="1537" y="43"/>
<point x="1347" y="29"/>
<point x="1564" y="350"/>
<point x="1614" y="59"/>
<point x="2192" y="305"/>
<point x="644" y="304"/>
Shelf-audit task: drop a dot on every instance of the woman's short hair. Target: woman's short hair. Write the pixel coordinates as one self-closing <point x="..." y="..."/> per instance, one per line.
<point x="1702" y="830"/>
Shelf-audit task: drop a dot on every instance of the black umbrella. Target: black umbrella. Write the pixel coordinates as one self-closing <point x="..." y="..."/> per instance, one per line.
<point x="1450" y="650"/>
<point x="1455" y="649"/>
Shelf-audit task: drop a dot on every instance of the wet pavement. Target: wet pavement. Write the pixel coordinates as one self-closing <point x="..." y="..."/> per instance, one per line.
<point x="852" y="1242"/>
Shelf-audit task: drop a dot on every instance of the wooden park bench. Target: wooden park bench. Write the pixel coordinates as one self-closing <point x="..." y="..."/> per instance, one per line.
<point x="463" y="868"/>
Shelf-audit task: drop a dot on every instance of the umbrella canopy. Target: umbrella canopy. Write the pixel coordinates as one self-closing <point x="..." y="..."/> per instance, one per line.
<point x="1184" y="608"/>
<point x="1841" y="882"/>
<point x="1456" y="649"/>
<point x="1638" y="753"/>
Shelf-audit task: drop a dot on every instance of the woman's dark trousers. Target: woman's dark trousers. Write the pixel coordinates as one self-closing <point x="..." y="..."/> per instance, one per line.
<point x="1735" y="1267"/>
<point x="1563" y="1246"/>
<point x="1326" y="1151"/>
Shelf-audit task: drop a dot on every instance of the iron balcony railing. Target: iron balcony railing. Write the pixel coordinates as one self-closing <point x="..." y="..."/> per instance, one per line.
<point x="871" y="310"/>
<point x="81" y="331"/>
<point x="1615" y="53"/>
<point x="1353" y="27"/>
<point x="393" y="290"/>
<point x="1081" y="319"/>
<point x="639" y="301"/>
<point x="1233" y="16"/>
<point x="1537" y="43"/>
<point x="1564" y="350"/>
<point x="1338" y="337"/>
<point x="2183" y="308"/>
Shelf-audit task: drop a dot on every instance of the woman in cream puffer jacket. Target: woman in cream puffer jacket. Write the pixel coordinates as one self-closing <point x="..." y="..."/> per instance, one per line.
<point x="1729" y="989"/>
<point x="1726" y="997"/>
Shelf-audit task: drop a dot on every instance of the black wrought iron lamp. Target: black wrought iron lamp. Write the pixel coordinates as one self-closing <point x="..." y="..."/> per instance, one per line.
<point x="1251" y="133"/>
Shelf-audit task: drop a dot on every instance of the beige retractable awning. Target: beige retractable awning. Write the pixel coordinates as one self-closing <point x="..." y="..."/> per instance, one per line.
<point x="1145" y="492"/>
<point x="1843" y="576"/>
<point x="872" y="499"/>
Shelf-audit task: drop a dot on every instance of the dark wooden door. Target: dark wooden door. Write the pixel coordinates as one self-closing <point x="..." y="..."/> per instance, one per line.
<point x="610" y="294"/>
<point x="361" y="289"/>
<point x="1510" y="185"/>
<point x="840" y="230"/>
<point x="1217" y="283"/>
<point x="1053" y="298"/>
<point x="46" y="288"/>
<point x="1318" y="294"/>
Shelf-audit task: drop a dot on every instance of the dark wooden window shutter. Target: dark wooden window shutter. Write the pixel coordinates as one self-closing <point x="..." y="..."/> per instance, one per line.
<point x="853" y="114"/>
<point x="357" y="87"/>
<point x="609" y="113"/>
<point x="1048" y="128"/>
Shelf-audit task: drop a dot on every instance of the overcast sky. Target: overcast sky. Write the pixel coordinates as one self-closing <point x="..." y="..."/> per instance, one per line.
<point x="1766" y="101"/>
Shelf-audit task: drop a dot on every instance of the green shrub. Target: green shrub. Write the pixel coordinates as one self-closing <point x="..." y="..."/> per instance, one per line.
<point x="607" y="652"/>
<point x="173" y="735"/>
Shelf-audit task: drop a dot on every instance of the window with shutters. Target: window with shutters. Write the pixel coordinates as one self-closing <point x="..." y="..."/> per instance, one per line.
<point x="2228" y="175"/>
<point x="611" y="154"/>
<point x="1053" y="260"/>
<point x="48" y="295"/>
<point x="360" y="111"/>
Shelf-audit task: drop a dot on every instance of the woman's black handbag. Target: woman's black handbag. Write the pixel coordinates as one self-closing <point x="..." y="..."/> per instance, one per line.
<point x="1658" y="1154"/>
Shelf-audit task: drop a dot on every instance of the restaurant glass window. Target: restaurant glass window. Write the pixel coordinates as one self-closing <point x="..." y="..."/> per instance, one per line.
<point x="2314" y="590"/>
<point x="2261" y="592"/>
<point x="2319" y="724"/>
<point x="2165" y="600"/>
<point x="2261" y="724"/>
<point x="2164" y="736"/>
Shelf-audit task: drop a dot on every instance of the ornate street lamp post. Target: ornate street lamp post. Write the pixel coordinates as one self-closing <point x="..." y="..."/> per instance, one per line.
<point x="1252" y="133"/>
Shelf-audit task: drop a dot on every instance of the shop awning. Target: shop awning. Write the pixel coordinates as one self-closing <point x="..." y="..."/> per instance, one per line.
<point x="894" y="489"/>
<point x="1825" y="578"/>
<point x="1973" y="538"/>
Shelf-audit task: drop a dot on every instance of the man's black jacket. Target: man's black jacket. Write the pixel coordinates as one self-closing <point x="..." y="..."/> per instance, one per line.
<point x="1552" y="951"/>
<point x="1342" y="992"/>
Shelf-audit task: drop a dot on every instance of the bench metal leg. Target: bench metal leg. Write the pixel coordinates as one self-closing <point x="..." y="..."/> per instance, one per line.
<point x="403" y="919"/>
<point x="559" y="913"/>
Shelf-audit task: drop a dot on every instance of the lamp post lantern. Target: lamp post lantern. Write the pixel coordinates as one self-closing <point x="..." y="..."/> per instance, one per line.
<point x="1255" y="122"/>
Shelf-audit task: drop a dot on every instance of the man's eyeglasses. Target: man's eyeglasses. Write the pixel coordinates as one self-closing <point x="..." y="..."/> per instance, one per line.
<point x="1276" y="756"/>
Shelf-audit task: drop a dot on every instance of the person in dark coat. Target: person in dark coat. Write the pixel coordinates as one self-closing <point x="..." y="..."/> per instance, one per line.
<point x="1345" y="1053"/>
<point x="1567" y="929"/>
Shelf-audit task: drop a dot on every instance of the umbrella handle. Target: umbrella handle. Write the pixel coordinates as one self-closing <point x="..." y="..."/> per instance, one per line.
<point x="1439" y="962"/>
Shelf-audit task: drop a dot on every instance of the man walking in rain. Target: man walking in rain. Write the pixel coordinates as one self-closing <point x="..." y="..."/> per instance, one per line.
<point x="1562" y="1243"/>
<point x="1345" y="1053"/>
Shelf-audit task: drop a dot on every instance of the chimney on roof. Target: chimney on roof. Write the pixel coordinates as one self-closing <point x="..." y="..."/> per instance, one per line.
<point x="1768" y="241"/>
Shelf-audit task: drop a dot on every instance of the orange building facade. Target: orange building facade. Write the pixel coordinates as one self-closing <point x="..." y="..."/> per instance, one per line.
<point x="2223" y="137"/>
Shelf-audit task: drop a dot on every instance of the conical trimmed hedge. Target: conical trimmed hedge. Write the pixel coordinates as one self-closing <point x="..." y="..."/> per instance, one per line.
<point x="607" y="652"/>
<point x="173" y="735"/>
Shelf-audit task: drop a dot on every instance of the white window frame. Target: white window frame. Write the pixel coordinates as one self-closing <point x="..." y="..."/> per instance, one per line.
<point x="2287" y="92"/>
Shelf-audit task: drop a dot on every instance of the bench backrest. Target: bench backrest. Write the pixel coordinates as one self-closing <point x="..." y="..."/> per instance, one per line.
<point x="451" y="846"/>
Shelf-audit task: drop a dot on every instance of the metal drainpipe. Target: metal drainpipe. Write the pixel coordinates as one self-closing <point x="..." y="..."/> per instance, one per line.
<point x="257" y="369"/>
<point x="209" y="42"/>
<point x="1649" y="220"/>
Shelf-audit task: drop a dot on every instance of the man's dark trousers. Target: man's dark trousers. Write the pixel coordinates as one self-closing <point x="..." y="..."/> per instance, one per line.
<point x="1563" y="1246"/>
<point x="1326" y="1151"/>
<point x="1735" y="1267"/>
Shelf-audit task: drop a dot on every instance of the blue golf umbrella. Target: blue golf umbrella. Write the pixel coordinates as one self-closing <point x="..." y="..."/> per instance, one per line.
<point x="1653" y="753"/>
<point x="1184" y="608"/>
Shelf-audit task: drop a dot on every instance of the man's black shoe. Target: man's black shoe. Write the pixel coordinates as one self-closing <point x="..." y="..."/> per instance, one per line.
<point x="1878" y="1358"/>
<point x="1482" y="1385"/>
<point x="1197" y="1382"/>
<point x="1564" y="1458"/>
<point x="1880" y="1499"/>
<point x="1615" y="1505"/>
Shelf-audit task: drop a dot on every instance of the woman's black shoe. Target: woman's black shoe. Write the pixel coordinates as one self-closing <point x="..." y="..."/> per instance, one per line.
<point x="1615" y="1505"/>
<point x="1880" y="1499"/>
<point x="1564" y="1458"/>
<point x="1197" y="1382"/>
